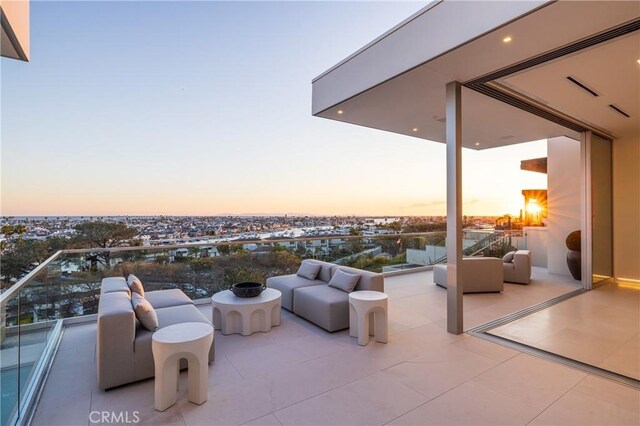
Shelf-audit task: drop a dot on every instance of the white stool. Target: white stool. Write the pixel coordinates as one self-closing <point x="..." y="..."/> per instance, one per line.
<point x="368" y="316"/>
<point x="233" y="314"/>
<point x="190" y="340"/>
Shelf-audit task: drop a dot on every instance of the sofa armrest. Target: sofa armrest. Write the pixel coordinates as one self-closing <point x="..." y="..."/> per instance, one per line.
<point x="111" y="284"/>
<point x="115" y="339"/>
<point x="522" y="260"/>
<point x="520" y="272"/>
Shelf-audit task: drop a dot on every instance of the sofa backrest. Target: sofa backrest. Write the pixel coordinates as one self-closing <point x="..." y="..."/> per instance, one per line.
<point x="482" y="268"/>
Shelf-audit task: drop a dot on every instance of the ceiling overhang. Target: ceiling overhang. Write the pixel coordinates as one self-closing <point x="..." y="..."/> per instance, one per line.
<point x="397" y="83"/>
<point x="14" y="17"/>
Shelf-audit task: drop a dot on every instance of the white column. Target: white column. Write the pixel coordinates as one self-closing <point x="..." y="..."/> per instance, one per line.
<point x="454" y="208"/>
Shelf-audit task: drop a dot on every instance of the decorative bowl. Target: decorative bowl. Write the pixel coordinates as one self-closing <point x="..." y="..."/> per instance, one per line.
<point x="247" y="289"/>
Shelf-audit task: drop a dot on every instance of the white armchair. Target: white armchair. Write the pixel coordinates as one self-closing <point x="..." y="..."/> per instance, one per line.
<point x="518" y="270"/>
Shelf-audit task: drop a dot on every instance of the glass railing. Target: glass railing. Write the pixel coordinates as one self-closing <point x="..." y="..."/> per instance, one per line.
<point x="29" y="330"/>
<point x="68" y="284"/>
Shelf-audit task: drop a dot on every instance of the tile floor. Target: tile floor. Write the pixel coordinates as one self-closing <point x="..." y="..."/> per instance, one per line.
<point x="300" y="374"/>
<point x="600" y="328"/>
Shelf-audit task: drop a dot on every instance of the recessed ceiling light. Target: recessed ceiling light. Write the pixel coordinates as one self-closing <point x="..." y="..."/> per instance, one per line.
<point x="477" y="143"/>
<point x="507" y="39"/>
<point x="340" y="112"/>
<point x="638" y="61"/>
<point x="415" y="129"/>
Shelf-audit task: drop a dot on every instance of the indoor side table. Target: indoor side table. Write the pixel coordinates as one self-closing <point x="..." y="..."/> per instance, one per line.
<point x="232" y="314"/>
<point x="190" y="340"/>
<point x="368" y="316"/>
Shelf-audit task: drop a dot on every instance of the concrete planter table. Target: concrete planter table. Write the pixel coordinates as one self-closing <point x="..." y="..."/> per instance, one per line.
<point x="232" y="314"/>
<point x="190" y="340"/>
<point x="368" y="316"/>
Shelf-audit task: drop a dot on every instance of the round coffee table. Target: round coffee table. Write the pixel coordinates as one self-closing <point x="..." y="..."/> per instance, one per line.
<point x="232" y="314"/>
<point x="190" y="340"/>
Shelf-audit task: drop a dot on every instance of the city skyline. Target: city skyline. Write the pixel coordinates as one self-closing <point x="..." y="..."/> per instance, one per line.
<point x="115" y="115"/>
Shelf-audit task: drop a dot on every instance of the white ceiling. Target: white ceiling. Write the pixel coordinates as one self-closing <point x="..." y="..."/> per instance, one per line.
<point x="416" y="98"/>
<point x="610" y="69"/>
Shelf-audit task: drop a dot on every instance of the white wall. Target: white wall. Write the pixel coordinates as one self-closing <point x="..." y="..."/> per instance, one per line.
<point x="564" y="204"/>
<point x="538" y="244"/>
<point x="626" y="208"/>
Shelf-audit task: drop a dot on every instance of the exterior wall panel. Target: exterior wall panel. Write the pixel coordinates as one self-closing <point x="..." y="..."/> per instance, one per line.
<point x="436" y="29"/>
<point x="15" y="27"/>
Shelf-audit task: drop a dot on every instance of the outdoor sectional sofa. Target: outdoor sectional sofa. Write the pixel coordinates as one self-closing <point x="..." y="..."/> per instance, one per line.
<point x="123" y="351"/>
<point x="479" y="275"/>
<point x="316" y="301"/>
<point x="517" y="269"/>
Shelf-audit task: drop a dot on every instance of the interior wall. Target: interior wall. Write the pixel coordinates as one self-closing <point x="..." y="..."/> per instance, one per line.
<point x="626" y="207"/>
<point x="564" y="204"/>
<point x="601" y="209"/>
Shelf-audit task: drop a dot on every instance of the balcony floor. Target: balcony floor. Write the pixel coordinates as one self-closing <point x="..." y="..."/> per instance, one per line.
<point x="575" y="329"/>
<point x="300" y="374"/>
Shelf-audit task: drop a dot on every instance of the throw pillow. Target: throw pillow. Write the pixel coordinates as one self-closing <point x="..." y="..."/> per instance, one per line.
<point x="344" y="281"/>
<point x="135" y="285"/>
<point x="144" y="312"/>
<point x="508" y="258"/>
<point x="309" y="270"/>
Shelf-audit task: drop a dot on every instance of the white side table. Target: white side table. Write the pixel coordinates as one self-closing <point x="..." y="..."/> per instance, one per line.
<point x="233" y="314"/>
<point x="368" y="316"/>
<point x="190" y="340"/>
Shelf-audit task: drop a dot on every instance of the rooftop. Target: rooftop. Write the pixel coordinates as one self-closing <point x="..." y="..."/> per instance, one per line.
<point x="301" y="374"/>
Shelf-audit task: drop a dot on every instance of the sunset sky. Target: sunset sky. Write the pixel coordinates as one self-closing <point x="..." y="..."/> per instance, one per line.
<point x="203" y="108"/>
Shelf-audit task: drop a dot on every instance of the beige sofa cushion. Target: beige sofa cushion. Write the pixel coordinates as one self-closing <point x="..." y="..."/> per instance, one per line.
<point x="508" y="258"/>
<point x="344" y="281"/>
<point x="286" y="284"/>
<point x="308" y="270"/>
<point x="135" y="285"/>
<point x="144" y="312"/>
<point x="326" y="270"/>
<point x="143" y="355"/>
<point x="324" y="306"/>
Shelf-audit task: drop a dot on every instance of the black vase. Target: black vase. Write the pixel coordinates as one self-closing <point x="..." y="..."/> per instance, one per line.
<point x="574" y="262"/>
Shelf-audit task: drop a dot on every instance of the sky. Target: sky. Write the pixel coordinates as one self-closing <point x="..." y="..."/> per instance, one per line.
<point x="204" y="108"/>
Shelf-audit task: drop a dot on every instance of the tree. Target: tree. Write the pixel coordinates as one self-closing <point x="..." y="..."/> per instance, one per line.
<point x="7" y="230"/>
<point x="20" y="259"/>
<point x="224" y="249"/>
<point x="101" y="234"/>
<point x="104" y="234"/>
